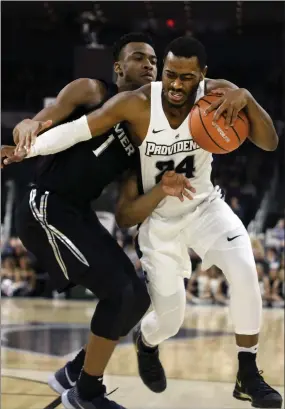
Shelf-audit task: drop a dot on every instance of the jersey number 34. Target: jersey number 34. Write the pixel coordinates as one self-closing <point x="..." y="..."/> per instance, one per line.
<point x="186" y="166"/>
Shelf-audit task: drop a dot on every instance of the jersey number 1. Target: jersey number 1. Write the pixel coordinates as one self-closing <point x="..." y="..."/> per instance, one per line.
<point x="186" y="166"/>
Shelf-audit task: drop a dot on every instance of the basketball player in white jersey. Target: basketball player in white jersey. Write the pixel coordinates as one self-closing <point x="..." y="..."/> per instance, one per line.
<point x="157" y="116"/>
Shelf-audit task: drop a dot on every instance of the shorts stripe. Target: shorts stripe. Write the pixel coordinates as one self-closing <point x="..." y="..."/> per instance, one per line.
<point x="53" y="233"/>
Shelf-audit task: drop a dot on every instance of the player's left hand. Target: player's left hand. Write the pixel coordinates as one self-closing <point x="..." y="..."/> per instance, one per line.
<point x="9" y="156"/>
<point x="176" y="184"/>
<point x="231" y="101"/>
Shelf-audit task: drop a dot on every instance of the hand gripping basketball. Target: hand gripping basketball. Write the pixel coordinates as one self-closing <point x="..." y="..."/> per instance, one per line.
<point x="231" y="101"/>
<point x="208" y="121"/>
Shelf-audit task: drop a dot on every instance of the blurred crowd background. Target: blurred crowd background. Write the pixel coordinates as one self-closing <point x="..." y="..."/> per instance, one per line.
<point x="48" y="44"/>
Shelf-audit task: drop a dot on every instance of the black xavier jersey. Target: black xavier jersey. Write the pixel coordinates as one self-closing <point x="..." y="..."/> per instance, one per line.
<point x="80" y="173"/>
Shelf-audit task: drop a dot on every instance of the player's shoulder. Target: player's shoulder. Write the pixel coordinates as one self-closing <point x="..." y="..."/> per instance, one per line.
<point x="144" y="94"/>
<point x="211" y="84"/>
<point x="138" y="97"/>
<point x="85" y="90"/>
<point x="91" y="86"/>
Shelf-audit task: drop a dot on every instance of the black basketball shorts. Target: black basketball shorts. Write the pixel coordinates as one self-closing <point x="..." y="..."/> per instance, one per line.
<point x="72" y="245"/>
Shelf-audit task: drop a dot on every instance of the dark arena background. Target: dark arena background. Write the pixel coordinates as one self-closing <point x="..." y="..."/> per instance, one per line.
<point x="47" y="44"/>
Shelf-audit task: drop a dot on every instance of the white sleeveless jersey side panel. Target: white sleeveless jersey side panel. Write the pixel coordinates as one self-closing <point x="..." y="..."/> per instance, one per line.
<point x="165" y="148"/>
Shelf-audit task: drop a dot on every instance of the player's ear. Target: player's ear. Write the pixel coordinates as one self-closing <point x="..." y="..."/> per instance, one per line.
<point x="118" y="69"/>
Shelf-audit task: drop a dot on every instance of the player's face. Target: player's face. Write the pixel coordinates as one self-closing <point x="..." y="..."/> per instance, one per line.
<point x="181" y="77"/>
<point x="138" y="64"/>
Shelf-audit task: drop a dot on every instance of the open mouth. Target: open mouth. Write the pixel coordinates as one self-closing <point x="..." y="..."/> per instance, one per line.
<point x="176" y="96"/>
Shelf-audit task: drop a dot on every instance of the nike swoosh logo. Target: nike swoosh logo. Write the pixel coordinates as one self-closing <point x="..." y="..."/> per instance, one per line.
<point x="68" y="378"/>
<point x="154" y="131"/>
<point x="239" y="383"/>
<point x="232" y="238"/>
<point x="177" y="136"/>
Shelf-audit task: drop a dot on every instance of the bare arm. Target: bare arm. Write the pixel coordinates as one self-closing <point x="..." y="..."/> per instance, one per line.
<point x="127" y="106"/>
<point x="262" y="131"/>
<point x="78" y="92"/>
<point x="132" y="208"/>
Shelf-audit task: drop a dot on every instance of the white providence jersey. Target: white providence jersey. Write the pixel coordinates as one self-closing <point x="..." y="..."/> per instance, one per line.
<point x="165" y="149"/>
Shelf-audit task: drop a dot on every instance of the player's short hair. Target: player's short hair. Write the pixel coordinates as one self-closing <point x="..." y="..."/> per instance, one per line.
<point x="187" y="47"/>
<point x="130" y="38"/>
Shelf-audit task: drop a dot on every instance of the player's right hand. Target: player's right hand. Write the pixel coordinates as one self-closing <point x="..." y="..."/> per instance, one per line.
<point x="26" y="132"/>
<point x="9" y="155"/>
<point x="176" y="184"/>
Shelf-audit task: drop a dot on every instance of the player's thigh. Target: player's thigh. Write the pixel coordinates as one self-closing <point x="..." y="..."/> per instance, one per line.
<point x="81" y="248"/>
<point x="35" y="239"/>
<point x="163" y="272"/>
<point x="209" y="222"/>
<point x="232" y="253"/>
<point x="163" y="255"/>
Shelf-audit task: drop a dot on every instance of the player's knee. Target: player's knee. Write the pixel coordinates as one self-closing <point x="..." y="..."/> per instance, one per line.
<point x="170" y="324"/>
<point x="125" y="300"/>
<point x="113" y="312"/>
<point x="244" y="282"/>
<point x="140" y="306"/>
<point x="243" y="274"/>
<point x="170" y="330"/>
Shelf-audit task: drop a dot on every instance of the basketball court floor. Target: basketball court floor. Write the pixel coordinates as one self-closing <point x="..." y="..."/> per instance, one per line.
<point x="38" y="336"/>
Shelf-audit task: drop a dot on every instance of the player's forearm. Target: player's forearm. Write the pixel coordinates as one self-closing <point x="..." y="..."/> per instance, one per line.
<point x="135" y="212"/>
<point x="61" y="138"/>
<point x="51" y="112"/>
<point x="262" y="131"/>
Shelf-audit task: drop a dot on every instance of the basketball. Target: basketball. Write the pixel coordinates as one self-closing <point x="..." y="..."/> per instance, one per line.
<point x="215" y="138"/>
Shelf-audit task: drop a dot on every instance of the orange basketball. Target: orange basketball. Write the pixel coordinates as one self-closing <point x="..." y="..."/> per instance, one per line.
<point x="216" y="139"/>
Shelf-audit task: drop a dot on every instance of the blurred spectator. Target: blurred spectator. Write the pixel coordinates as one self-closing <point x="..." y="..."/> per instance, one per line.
<point x="259" y="253"/>
<point x="275" y="237"/>
<point x="271" y="257"/>
<point x="218" y="286"/>
<point x="198" y="287"/>
<point x="8" y="276"/>
<point x="8" y="267"/>
<point x="278" y="290"/>
<point x="273" y="277"/>
<point x="248" y="189"/>
<point x="264" y="284"/>
<point x="27" y="276"/>
<point x="236" y="207"/>
<point x="282" y="260"/>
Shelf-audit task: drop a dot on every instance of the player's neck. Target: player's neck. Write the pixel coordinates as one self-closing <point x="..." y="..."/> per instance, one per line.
<point x="177" y="112"/>
<point x="125" y="86"/>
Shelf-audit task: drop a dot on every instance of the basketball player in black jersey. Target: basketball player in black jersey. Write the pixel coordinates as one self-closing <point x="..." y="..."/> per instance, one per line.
<point x="55" y="221"/>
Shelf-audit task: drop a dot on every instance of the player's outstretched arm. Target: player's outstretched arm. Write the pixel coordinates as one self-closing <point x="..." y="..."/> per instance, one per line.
<point x="127" y="106"/>
<point x="233" y="99"/>
<point x="78" y="92"/>
<point x="133" y="208"/>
